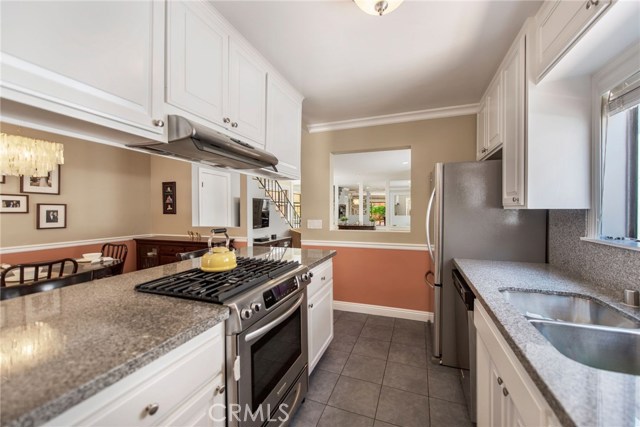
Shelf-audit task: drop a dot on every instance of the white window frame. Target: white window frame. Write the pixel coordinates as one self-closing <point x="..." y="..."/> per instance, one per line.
<point x="606" y="79"/>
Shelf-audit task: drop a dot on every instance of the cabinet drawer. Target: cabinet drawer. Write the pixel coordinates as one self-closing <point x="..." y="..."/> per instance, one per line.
<point x="322" y="274"/>
<point x="167" y="382"/>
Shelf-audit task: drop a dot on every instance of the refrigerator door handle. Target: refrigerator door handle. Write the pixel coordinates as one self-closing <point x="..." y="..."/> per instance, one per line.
<point x="426" y="279"/>
<point x="433" y="194"/>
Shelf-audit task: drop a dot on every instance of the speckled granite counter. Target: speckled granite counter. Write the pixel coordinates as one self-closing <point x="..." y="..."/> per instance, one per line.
<point x="578" y="394"/>
<point x="61" y="347"/>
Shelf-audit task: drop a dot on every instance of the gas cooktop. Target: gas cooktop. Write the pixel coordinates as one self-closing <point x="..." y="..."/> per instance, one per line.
<point x="219" y="287"/>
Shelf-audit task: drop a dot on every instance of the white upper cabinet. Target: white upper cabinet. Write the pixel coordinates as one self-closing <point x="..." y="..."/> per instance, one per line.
<point x="247" y="94"/>
<point x="481" y="126"/>
<point x="559" y="24"/>
<point x="495" y="114"/>
<point x="543" y="130"/>
<point x="213" y="77"/>
<point x="513" y="151"/>
<point x="99" y="62"/>
<point x="284" y="122"/>
<point x="197" y="48"/>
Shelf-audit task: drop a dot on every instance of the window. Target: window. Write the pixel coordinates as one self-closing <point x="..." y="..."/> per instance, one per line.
<point x="618" y="219"/>
<point x="372" y="190"/>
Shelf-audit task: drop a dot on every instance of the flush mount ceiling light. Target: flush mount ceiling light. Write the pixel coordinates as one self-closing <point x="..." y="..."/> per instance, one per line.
<point x="27" y="156"/>
<point x="378" y="7"/>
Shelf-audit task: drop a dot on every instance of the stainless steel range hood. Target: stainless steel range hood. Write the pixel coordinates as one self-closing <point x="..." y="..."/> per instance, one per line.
<point x="196" y="143"/>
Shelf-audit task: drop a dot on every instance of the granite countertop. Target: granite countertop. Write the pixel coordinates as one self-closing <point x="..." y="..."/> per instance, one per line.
<point x="60" y="347"/>
<point x="578" y="394"/>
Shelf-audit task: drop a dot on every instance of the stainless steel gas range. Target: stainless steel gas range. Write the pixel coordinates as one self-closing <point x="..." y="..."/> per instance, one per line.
<point x="266" y="334"/>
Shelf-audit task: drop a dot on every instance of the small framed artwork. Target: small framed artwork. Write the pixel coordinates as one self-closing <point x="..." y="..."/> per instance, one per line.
<point x="169" y="198"/>
<point x="14" y="203"/>
<point x="51" y="216"/>
<point x="49" y="184"/>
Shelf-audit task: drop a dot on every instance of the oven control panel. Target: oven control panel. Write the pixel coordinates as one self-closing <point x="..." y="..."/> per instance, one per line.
<point x="279" y="292"/>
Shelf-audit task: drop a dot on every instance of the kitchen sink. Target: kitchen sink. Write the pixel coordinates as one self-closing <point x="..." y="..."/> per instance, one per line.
<point x="567" y="308"/>
<point x="612" y="349"/>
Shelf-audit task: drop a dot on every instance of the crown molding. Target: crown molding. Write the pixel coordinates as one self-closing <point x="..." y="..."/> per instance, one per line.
<point x="411" y="116"/>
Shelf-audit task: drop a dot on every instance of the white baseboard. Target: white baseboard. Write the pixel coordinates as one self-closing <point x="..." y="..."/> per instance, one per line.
<point x="379" y="310"/>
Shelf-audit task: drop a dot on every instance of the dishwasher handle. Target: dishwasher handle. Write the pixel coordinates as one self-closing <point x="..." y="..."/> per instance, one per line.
<point x="463" y="289"/>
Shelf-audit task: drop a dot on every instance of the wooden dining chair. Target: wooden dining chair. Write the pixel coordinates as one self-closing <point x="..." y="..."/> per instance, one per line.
<point x="116" y="251"/>
<point x="49" y="267"/>
<point x="182" y="256"/>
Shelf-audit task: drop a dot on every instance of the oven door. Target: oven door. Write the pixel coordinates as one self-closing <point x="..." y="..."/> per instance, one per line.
<point x="273" y="352"/>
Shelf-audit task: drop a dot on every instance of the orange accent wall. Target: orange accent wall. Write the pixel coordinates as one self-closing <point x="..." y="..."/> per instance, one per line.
<point x="70" y="252"/>
<point x="386" y="277"/>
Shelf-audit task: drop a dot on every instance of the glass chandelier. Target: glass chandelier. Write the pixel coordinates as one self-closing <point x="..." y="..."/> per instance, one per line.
<point x="20" y="155"/>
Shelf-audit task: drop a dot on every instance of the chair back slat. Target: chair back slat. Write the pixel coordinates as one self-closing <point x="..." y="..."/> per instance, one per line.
<point x="37" y="267"/>
<point x="116" y="251"/>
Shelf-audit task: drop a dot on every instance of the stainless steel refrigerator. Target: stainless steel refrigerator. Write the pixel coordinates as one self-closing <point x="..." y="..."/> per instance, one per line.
<point x="468" y="220"/>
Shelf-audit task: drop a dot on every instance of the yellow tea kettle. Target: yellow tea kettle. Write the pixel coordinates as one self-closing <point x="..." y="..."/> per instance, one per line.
<point x="219" y="258"/>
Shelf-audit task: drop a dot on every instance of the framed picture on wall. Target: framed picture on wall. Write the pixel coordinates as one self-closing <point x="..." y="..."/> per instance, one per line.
<point x="169" y="198"/>
<point x="51" y="216"/>
<point x="49" y="184"/>
<point x="14" y="203"/>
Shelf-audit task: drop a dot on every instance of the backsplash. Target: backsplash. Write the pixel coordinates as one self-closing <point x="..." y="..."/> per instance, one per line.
<point x="615" y="268"/>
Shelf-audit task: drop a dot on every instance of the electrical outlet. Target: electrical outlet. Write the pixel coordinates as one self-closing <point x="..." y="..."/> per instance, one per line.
<point x="314" y="223"/>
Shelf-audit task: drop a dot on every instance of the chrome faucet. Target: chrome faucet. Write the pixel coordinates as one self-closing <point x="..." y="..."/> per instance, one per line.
<point x="632" y="298"/>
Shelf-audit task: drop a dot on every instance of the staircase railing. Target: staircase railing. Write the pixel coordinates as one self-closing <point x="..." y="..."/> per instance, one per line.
<point x="278" y="195"/>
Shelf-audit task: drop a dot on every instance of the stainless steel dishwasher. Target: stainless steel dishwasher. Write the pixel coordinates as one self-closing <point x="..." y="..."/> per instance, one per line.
<point x="466" y="340"/>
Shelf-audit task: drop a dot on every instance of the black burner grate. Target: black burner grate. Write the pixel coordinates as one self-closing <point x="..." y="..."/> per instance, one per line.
<point x="218" y="287"/>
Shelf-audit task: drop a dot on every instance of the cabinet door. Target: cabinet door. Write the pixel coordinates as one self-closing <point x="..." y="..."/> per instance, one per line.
<point x="247" y="94"/>
<point x="481" y="137"/>
<point x="513" y="151"/>
<point x="284" y="118"/>
<point x="214" y="198"/>
<point x="100" y="62"/>
<point x="559" y="24"/>
<point x="494" y="115"/>
<point x="197" y="50"/>
<point x="320" y="324"/>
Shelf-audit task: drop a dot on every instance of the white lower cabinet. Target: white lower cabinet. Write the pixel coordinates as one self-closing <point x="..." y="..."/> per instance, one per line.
<point x="506" y="394"/>
<point x="320" y="318"/>
<point x="179" y="388"/>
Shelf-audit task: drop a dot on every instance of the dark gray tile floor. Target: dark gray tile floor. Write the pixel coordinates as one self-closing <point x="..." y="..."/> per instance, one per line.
<point x="377" y="373"/>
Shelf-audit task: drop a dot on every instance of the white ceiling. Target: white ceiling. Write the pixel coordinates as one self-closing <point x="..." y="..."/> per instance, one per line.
<point x="373" y="168"/>
<point x="348" y="65"/>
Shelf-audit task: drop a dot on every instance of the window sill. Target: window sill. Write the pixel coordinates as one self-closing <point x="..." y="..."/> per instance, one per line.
<point x="627" y="244"/>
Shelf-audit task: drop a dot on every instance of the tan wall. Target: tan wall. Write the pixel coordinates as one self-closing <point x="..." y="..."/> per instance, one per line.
<point x="106" y="190"/>
<point x="438" y="140"/>
<point x="165" y="169"/>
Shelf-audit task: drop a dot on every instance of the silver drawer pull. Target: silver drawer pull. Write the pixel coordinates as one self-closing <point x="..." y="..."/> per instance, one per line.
<point x="152" y="408"/>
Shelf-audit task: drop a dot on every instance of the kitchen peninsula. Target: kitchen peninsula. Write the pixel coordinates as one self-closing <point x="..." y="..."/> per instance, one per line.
<point x="87" y="337"/>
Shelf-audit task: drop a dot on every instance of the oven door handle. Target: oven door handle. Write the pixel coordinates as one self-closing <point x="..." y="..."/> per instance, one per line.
<point x="266" y="328"/>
